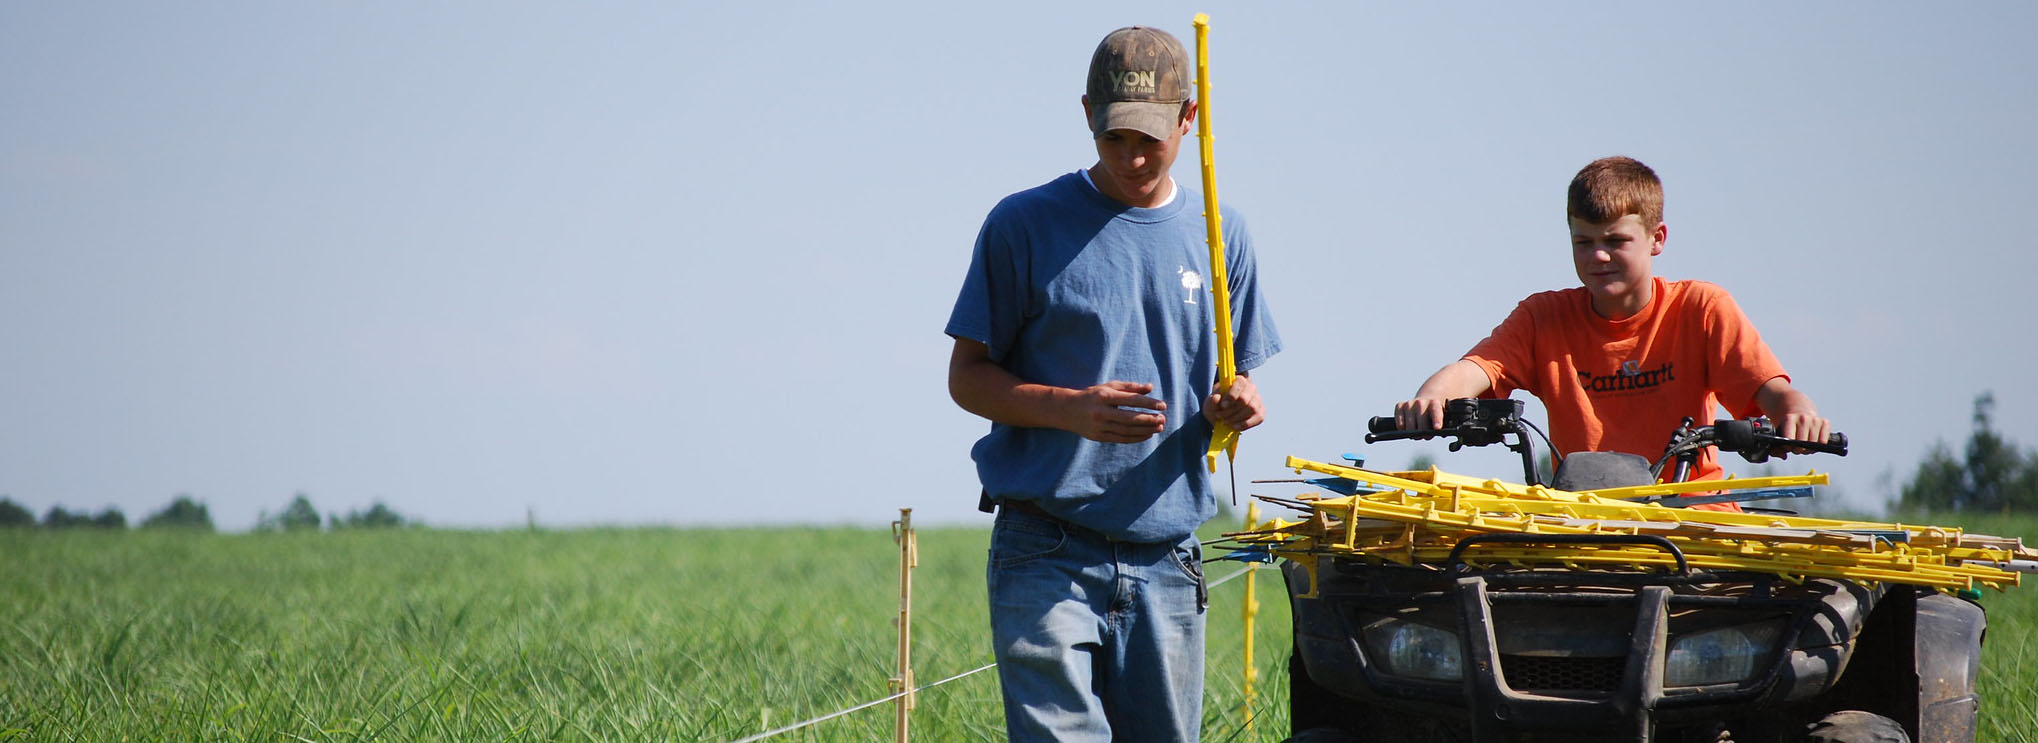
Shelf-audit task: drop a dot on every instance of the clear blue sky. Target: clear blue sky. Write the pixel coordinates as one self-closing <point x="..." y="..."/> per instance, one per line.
<point x="674" y="263"/>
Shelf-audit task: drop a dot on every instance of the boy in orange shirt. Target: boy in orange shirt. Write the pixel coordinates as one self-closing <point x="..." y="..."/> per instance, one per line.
<point x="1620" y="361"/>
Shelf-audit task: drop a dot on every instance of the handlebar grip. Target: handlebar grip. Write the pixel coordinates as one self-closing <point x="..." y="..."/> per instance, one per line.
<point x="1374" y="438"/>
<point x="1742" y="436"/>
<point x="1382" y="424"/>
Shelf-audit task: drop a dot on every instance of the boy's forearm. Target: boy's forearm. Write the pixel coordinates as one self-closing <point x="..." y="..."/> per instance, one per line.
<point x="1115" y="412"/>
<point x="1778" y="399"/>
<point x="1792" y="411"/>
<point x="1457" y="379"/>
<point x="988" y="390"/>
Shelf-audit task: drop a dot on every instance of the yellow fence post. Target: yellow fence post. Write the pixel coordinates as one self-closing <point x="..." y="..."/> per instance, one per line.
<point x="909" y="558"/>
<point x="1222" y="437"/>
<point x="1252" y="609"/>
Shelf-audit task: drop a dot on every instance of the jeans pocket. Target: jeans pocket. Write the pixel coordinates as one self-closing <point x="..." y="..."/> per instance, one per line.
<point x="1189" y="557"/>
<point x="1020" y="540"/>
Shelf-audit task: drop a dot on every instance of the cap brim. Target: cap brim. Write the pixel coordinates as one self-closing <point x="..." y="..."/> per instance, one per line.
<point x="1157" y="120"/>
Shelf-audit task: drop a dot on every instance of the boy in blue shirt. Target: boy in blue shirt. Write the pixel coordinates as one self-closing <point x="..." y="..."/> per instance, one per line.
<point x="1083" y="332"/>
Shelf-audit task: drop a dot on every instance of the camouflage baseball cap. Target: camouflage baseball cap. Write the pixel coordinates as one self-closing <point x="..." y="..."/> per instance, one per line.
<point x="1139" y="78"/>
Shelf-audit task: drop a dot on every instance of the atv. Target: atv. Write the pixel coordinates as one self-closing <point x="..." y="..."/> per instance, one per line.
<point x="1388" y="652"/>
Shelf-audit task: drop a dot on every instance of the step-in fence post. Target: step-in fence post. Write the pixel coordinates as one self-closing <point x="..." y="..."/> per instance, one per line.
<point x="909" y="558"/>
<point x="1252" y="609"/>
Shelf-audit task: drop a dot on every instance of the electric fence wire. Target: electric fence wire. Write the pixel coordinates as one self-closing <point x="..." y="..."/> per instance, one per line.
<point x="959" y="676"/>
<point x="865" y="705"/>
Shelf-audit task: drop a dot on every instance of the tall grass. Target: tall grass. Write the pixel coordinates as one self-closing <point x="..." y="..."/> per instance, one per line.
<point x="609" y="635"/>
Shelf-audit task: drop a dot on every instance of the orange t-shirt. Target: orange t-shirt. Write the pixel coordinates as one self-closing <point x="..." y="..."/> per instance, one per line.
<point x="1625" y="385"/>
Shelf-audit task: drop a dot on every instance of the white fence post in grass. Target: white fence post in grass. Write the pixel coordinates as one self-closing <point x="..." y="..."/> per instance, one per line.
<point x="909" y="558"/>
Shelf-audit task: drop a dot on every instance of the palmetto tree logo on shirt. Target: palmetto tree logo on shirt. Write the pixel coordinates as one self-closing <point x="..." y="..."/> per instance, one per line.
<point x="1192" y="282"/>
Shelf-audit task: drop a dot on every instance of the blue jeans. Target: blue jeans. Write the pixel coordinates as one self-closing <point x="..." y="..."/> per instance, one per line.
<point x="1096" y="640"/>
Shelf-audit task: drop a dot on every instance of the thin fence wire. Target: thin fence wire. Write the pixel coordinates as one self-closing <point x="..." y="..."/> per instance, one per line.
<point x="865" y="705"/>
<point x="876" y="702"/>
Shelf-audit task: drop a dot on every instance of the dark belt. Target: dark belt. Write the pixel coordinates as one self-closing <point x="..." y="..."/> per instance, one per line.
<point x="985" y="504"/>
<point x="1027" y="507"/>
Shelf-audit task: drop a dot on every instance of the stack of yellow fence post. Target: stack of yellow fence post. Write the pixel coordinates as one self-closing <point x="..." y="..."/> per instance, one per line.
<point x="1420" y="517"/>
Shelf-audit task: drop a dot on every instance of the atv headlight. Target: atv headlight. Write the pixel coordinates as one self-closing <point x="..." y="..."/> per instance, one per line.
<point x="1720" y="656"/>
<point x="1415" y="650"/>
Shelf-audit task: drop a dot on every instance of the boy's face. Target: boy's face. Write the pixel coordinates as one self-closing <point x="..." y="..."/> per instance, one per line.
<point x="1613" y="259"/>
<point x="1134" y="165"/>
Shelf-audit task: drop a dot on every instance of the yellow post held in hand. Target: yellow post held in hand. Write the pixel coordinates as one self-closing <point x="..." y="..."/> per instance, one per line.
<point x="1223" y="438"/>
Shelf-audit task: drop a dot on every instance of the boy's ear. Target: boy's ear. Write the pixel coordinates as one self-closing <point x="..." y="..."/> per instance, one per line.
<point x="1188" y="115"/>
<point x="1659" y="236"/>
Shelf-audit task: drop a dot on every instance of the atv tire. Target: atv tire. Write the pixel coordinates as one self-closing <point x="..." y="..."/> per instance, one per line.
<point x="1855" y="726"/>
<point x="1310" y="706"/>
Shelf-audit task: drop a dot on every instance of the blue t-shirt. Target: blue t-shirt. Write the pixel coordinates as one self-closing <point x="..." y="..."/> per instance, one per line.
<point x="1070" y="288"/>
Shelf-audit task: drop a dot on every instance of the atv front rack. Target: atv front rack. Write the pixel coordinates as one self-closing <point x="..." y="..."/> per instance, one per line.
<point x="1433" y="518"/>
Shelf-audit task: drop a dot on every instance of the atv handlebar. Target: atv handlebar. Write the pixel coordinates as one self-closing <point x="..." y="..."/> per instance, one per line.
<point x="1757" y="436"/>
<point x="1471" y="422"/>
<point x="1755" y="439"/>
<point x="1383" y="428"/>
<point x="1477" y="422"/>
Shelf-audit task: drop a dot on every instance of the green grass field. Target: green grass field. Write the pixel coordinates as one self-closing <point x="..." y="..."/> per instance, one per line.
<point x="609" y="635"/>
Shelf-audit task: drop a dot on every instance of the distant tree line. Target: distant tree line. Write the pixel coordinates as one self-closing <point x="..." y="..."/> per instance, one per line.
<point x="183" y="512"/>
<point x="300" y="515"/>
<point x="1991" y="473"/>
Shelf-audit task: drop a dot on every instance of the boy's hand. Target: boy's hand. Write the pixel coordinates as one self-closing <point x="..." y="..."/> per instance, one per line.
<point x="1240" y="407"/>
<point x="1425" y="412"/>
<point x="1419" y="414"/>
<point x="1115" y="413"/>
<point x="1804" y="427"/>
<point x="1792" y="413"/>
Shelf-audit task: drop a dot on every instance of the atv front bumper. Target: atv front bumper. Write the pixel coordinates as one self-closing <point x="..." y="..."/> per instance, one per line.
<point x="1568" y="652"/>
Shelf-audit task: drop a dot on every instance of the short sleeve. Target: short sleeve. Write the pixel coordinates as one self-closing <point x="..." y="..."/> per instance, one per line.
<point x="1506" y="354"/>
<point x="991" y="307"/>
<point x="1254" y="339"/>
<point x="1740" y="362"/>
